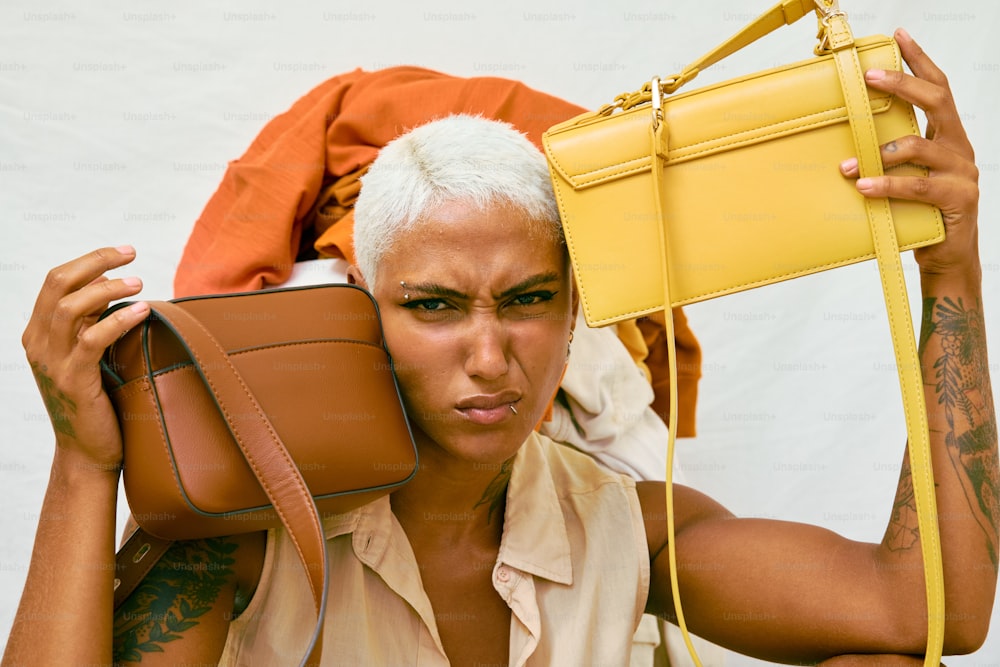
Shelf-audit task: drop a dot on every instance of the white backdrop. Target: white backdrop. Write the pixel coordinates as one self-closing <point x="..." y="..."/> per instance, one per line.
<point x="117" y="120"/>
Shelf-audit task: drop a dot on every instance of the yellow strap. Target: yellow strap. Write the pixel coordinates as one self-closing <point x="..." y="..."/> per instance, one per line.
<point x="839" y="39"/>
<point x="900" y="326"/>
<point x="784" y="13"/>
<point x="658" y="129"/>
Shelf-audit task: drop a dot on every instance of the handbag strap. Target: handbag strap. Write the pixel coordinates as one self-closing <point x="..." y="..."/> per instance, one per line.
<point x="266" y="455"/>
<point x="136" y="557"/>
<point x="851" y="76"/>
<point x="784" y="13"/>
<point x="837" y="37"/>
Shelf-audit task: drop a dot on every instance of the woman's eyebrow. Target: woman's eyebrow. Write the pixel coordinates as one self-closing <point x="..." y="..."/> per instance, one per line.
<point x="436" y="289"/>
<point x="530" y="282"/>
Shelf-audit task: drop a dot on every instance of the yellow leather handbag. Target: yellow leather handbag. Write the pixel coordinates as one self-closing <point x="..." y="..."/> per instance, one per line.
<point x="667" y="201"/>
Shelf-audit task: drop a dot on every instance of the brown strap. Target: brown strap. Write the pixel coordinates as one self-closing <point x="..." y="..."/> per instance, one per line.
<point x="134" y="560"/>
<point x="266" y="455"/>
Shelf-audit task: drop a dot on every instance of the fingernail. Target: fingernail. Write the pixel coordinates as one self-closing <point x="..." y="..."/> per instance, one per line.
<point x="849" y="165"/>
<point x="126" y="249"/>
<point x="132" y="281"/>
<point x="903" y="33"/>
<point x="875" y="75"/>
<point x="865" y="184"/>
<point x="138" y="307"/>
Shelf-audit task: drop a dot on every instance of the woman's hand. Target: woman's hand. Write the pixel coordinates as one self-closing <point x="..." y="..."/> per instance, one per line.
<point x="952" y="182"/>
<point x="64" y="343"/>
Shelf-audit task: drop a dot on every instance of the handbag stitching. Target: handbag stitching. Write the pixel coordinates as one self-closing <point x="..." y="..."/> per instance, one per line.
<point x="154" y="399"/>
<point x="722" y="147"/>
<point x="644" y="160"/>
<point x="315" y="341"/>
<point x="827" y="121"/>
<point x="246" y="350"/>
<point x="132" y="387"/>
<point x="726" y="290"/>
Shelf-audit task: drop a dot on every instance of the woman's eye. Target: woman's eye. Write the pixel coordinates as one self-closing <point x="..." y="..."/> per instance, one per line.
<point x="427" y="305"/>
<point x="532" y="298"/>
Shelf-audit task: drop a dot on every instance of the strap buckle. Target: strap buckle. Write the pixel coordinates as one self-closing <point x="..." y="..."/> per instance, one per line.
<point x="826" y="11"/>
<point x="657" y="101"/>
<point x="828" y="7"/>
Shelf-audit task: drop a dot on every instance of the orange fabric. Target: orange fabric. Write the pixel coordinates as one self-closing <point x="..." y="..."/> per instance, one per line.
<point x="334" y="217"/>
<point x="294" y="187"/>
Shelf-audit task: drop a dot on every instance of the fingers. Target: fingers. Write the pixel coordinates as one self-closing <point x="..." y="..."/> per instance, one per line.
<point x="952" y="183"/>
<point x="945" y="193"/>
<point x="93" y="337"/>
<point x="919" y="62"/>
<point x="74" y="294"/>
<point x="76" y="273"/>
<point x="927" y="89"/>
<point x="919" y="151"/>
<point x="64" y="341"/>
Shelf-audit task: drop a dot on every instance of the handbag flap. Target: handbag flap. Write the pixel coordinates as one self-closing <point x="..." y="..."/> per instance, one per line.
<point x="592" y="149"/>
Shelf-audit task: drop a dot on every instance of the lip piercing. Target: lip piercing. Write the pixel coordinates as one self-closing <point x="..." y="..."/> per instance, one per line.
<point x="512" y="408"/>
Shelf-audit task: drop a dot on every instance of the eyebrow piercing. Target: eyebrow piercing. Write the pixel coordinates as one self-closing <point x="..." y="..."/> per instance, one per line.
<point x="406" y="296"/>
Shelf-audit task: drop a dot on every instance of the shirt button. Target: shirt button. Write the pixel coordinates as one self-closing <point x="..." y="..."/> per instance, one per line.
<point x="503" y="574"/>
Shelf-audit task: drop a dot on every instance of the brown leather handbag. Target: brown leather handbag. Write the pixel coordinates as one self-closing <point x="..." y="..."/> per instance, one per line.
<point x="242" y="412"/>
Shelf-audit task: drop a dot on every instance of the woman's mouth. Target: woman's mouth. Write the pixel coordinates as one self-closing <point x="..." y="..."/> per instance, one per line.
<point x="489" y="410"/>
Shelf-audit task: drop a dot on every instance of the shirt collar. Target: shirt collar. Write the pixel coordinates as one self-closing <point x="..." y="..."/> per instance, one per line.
<point x="534" y="535"/>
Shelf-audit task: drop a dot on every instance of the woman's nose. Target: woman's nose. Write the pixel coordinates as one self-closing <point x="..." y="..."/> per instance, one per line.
<point x="487" y="349"/>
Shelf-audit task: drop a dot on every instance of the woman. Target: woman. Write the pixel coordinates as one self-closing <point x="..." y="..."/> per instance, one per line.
<point x="506" y="548"/>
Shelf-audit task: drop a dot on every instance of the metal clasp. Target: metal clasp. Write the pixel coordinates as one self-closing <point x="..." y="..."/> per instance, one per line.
<point x="830" y="9"/>
<point x="657" y="101"/>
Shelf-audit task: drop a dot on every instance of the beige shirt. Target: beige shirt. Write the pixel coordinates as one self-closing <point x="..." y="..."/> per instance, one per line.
<point x="573" y="567"/>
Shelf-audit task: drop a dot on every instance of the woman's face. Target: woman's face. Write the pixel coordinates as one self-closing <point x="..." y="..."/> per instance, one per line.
<point x="477" y="308"/>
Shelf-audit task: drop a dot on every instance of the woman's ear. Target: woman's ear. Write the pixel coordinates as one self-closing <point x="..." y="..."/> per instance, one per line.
<point x="354" y="277"/>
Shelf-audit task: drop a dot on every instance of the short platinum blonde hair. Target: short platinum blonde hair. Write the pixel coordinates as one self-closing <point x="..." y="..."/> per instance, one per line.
<point x="460" y="158"/>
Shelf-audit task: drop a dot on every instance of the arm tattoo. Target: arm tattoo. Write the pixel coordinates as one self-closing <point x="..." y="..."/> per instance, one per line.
<point x="962" y="384"/>
<point x="903" y="530"/>
<point x="496" y="491"/>
<point x="183" y="586"/>
<point x="60" y="407"/>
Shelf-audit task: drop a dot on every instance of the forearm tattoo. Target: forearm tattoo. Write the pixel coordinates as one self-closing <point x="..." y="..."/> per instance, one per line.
<point x="956" y="335"/>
